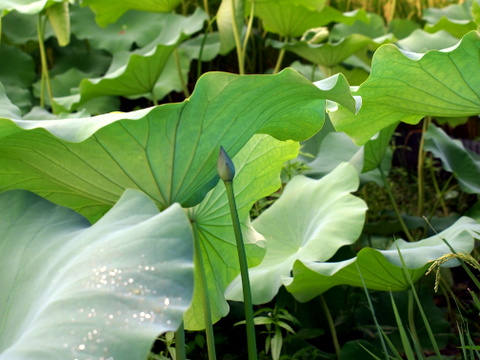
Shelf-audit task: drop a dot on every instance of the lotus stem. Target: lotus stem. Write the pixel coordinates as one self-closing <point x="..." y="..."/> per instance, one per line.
<point x="226" y="170"/>
<point x="331" y="325"/>
<point x="395" y="206"/>
<point x="281" y="55"/>
<point x="202" y="277"/>
<point x="419" y="305"/>
<point x="186" y="92"/>
<point x="238" y="42"/>
<point x="206" y="7"/>
<point x="249" y="30"/>
<point x="420" y="168"/>
<point x="180" y="343"/>
<point x="43" y="59"/>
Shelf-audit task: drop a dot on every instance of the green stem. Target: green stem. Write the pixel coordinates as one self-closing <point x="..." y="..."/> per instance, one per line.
<point x="43" y="59"/>
<point x="206" y="7"/>
<point x="154" y="98"/>
<point x="249" y="30"/>
<point x="238" y="42"/>
<point x="420" y="167"/>
<point x="331" y="325"/>
<point x="242" y="257"/>
<point x="204" y="40"/>
<point x="419" y="305"/>
<point x="395" y="206"/>
<point x="438" y="192"/>
<point x="411" y="318"/>
<point x="281" y="55"/>
<point x="180" y="353"/>
<point x="180" y="75"/>
<point x="202" y="279"/>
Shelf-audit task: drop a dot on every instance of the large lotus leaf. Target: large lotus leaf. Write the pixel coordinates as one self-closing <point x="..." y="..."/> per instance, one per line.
<point x="310" y="222"/>
<point x="26" y="6"/>
<point x="289" y="18"/>
<point x="136" y="73"/>
<point x="72" y="290"/>
<point x="169" y="152"/>
<point x="330" y="54"/>
<point x="258" y="167"/>
<point x="382" y="269"/>
<point x="108" y="11"/>
<point x="455" y="158"/>
<point x="407" y="86"/>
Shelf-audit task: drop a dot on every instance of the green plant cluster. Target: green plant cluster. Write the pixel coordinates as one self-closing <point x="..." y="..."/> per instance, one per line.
<point x="115" y="228"/>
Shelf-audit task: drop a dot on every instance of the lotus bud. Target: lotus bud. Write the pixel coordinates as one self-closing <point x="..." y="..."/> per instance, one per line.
<point x="225" y="167"/>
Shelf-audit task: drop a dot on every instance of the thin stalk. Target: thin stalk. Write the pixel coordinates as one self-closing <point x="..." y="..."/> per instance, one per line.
<point x="372" y="310"/>
<point x="419" y="305"/>
<point x="331" y="325"/>
<point x="204" y="40"/>
<point x="249" y="30"/>
<point x="395" y="206"/>
<point x="242" y="257"/>
<point x="154" y="98"/>
<point x="281" y="55"/>
<point x="411" y="319"/>
<point x="184" y="8"/>
<point x="180" y="353"/>
<point x="180" y="75"/>
<point x="202" y="279"/>
<point x="238" y="42"/>
<point x="43" y="59"/>
<point x="420" y="167"/>
<point x="438" y="192"/>
<point x="206" y="7"/>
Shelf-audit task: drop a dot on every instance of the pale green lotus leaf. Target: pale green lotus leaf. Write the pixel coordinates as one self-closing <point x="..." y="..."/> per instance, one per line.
<point x="108" y="11"/>
<point x="330" y="54"/>
<point x="19" y="28"/>
<point x="132" y="29"/>
<point x="454" y="28"/>
<point x="457" y="19"/>
<point x="310" y="222"/>
<point x="136" y="73"/>
<point x="382" y="269"/>
<point x="169" y="152"/>
<point x="372" y="26"/>
<point x="17" y="72"/>
<point x="289" y="18"/>
<point x="230" y="15"/>
<point x="27" y="6"/>
<point x="258" y="167"/>
<point x="293" y="19"/>
<point x="420" y="41"/>
<point x="402" y="28"/>
<point x="59" y="17"/>
<point x="407" y="86"/>
<point x="71" y="290"/>
<point x="463" y="163"/>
